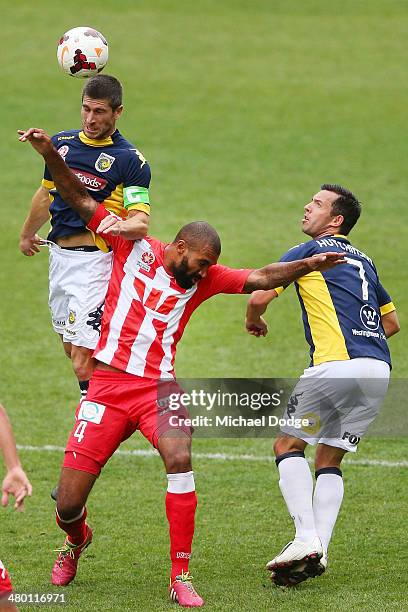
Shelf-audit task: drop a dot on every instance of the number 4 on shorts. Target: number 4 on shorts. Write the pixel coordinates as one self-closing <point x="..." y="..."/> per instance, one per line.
<point x="80" y="431"/>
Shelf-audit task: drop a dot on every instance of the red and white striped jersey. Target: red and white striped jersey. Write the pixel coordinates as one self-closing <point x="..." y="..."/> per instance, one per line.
<point x="145" y="310"/>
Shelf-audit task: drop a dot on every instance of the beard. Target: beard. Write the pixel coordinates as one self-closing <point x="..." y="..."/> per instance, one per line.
<point x="182" y="276"/>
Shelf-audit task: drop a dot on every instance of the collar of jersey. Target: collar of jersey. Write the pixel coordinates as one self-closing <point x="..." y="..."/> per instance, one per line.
<point x="341" y="236"/>
<point x="95" y="143"/>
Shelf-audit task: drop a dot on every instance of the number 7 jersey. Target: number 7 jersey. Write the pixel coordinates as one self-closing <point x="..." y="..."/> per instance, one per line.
<point x="342" y="307"/>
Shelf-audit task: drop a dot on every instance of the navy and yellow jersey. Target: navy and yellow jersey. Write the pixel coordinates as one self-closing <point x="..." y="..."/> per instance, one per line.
<point x="114" y="172"/>
<point x="341" y="308"/>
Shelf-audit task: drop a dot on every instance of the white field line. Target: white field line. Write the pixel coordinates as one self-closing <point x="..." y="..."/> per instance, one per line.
<point x="217" y="456"/>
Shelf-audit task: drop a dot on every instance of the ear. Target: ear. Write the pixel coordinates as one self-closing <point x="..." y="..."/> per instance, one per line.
<point x="118" y="111"/>
<point x="337" y="221"/>
<point x="181" y="247"/>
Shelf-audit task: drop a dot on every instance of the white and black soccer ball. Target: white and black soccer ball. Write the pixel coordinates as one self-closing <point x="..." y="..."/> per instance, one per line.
<point x="82" y="52"/>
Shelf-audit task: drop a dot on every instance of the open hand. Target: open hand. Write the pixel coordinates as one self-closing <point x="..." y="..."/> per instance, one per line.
<point x="38" y="139"/>
<point x="16" y="484"/>
<point x="325" y="261"/>
<point x="28" y="245"/>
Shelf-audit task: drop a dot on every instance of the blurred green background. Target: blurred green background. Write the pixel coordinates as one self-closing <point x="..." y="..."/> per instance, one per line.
<point x="243" y="110"/>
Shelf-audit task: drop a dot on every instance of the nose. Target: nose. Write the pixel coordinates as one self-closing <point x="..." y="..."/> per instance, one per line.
<point x="90" y="118"/>
<point x="307" y="207"/>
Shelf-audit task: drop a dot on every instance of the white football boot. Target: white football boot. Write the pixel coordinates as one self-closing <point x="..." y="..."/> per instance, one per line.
<point x="299" y="572"/>
<point x="297" y="551"/>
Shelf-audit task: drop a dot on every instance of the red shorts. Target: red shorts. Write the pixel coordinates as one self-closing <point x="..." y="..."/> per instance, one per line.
<point x="116" y="405"/>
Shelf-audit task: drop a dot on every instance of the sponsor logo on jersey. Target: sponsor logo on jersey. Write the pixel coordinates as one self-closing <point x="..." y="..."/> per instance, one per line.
<point x="90" y="181"/>
<point x="148" y="257"/>
<point x="146" y="260"/>
<point x="368" y="334"/>
<point x="63" y="151"/>
<point x="104" y="162"/>
<point x="369" y="317"/>
<point x="91" y="411"/>
<point x="65" y="137"/>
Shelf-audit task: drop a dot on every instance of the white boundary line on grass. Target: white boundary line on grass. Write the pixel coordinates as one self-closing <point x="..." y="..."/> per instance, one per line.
<point x="217" y="456"/>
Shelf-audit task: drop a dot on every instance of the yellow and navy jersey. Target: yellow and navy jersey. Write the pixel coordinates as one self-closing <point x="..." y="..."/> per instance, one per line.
<point x="341" y="308"/>
<point x="114" y="172"/>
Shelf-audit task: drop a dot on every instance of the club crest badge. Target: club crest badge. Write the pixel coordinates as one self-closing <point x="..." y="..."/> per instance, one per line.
<point x="104" y="162"/>
<point x="63" y="151"/>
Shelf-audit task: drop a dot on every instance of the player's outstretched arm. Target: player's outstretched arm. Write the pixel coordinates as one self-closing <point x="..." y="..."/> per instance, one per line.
<point x="15" y="482"/>
<point x="69" y="187"/>
<point x="284" y="273"/>
<point x="257" y="305"/>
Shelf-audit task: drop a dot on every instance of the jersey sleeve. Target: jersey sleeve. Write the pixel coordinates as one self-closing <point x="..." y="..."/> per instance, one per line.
<point x="115" y="241"/>
<point x="299" y="251"/>
<point x="136" y="183"/>
<point x="47" y="180"/>
<point x="221" y="279"/>
<point x="384" y="300"/>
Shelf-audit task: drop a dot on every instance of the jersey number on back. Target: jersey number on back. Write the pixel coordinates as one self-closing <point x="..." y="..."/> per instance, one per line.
<point x="364" y="283"/>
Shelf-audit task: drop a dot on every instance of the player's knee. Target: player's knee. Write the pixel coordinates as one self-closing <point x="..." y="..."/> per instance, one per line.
<point x="281" y="446"/>
<point x="287" y="444"/>
<point x="179" y="461"/>
<point x="328" y="456"/>
<point x="83" y="372"/>
<point x="68" y="507"/>
<point x="277" y="447"/>
<point x="82" y="363"/>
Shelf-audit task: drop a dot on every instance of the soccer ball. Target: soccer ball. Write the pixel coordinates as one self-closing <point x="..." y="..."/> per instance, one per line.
<point x="82" y="52"/>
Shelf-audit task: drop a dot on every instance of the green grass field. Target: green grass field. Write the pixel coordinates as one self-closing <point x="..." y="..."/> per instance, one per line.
<point x="243" y="110"/>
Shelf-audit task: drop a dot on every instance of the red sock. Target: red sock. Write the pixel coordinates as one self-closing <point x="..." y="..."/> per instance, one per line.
<point x="76" y="530"/>
<point x="180" y="510"/>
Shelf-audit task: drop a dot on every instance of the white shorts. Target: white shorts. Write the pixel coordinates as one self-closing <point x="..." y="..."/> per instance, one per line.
<point x="337" y="401"/>
<point x="78" y="281"/>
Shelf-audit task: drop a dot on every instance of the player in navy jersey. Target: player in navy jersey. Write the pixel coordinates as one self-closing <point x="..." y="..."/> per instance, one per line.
<point x="118" y="176"/>
<point x="154" y="290"/>
<point x="347" y="317"/>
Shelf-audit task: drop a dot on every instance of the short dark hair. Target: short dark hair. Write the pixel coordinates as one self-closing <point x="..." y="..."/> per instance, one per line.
<point x="199" y="233"/>
<point x="104" y="87"/>
<point x="346" y="205"/>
